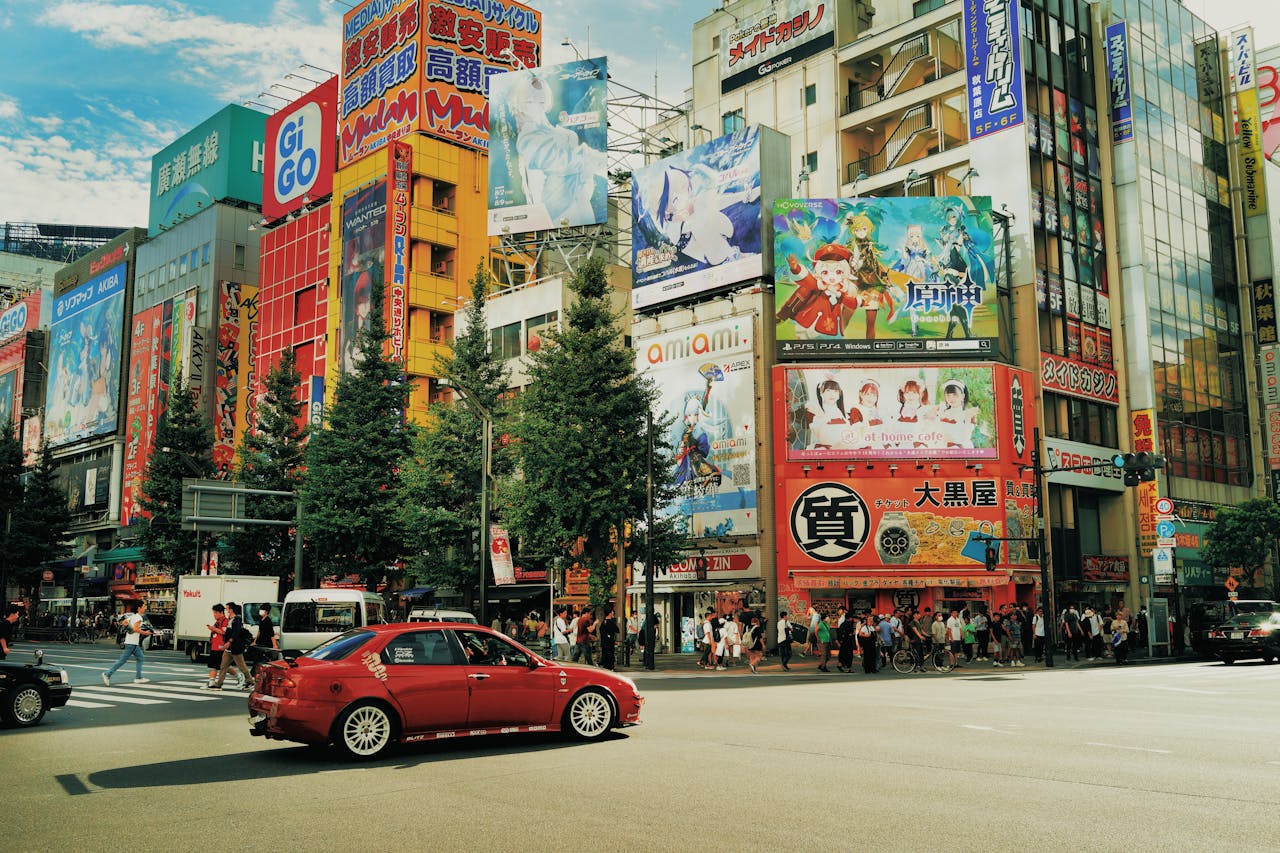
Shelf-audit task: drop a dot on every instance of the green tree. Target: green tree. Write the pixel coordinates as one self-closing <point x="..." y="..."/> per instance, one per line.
<point x="441" y="506"/>
<point x="183" y="448"/>
<point x="351" y="493"/>
<point x="1242" y="537"/>
<point x="581" y="439"/>
<point x="41" y="522"/>
<point x="10" y="498"/>
<point x="271" y="458"/>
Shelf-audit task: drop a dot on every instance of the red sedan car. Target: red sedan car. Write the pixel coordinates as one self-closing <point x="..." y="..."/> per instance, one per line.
<point x="370" y="687"/>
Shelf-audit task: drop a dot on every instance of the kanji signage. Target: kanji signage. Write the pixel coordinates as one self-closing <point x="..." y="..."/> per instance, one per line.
<point x="399" y="187"/>
<point x="1118" y="75"/>
<point x="787" y="32"/>
<point x="1101" y="568"/>
<point x="1142" y="426"/>
<point x="1264" y="307"/>
<point x="993" y="65"/>
<point x="1077" y="379"/>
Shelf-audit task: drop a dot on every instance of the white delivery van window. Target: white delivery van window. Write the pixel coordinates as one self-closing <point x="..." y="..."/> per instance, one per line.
<point x="311" y="617"/>
<point x="373" y="613"/>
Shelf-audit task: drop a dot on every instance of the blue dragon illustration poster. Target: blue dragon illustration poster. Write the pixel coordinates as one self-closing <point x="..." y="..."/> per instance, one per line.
<point x="885" y="277"/>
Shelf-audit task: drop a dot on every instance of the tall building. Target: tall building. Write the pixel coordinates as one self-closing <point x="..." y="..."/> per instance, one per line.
<point x="1102" y="210"/>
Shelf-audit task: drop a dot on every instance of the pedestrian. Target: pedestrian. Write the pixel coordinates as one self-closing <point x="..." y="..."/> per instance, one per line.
<point x="217" y="641"/>
<point x="784" y="641"/>
<point x="707" y="634"/>
<point x="237" y="639"/>
<point x="970" y="639"/>
<point x="1120" y="640"/>
<point x="1096" y="639"/>
<point x="899" y="631"/>
<point x="586" y="636"/>
<point x="11" y="614"/>
<point x="753" y="642"/>
<point x="999" y="639"/>
<point x="573" y="635"/>
<point x="867" y="644"/>
<point x="608" y="640"/>
<point x="822" y="643"/>
<point x="634" y="623"/>
<point x="731" y="637"/>
<point x="559" y="638"/>
<point x="1037" y="630"/>
<point x="811" y="642"/>
<point x="885" y="629"/>
<point x="847" y="637"/>
<point x="1013" y="628"/>
<point x="1071" y="633"/>
<point x="955" y="634"/>
<point x="981" y="634"/>
<point x="938" y="631"/>
<point x="132" y="646"/>
<point x="1086" y="632"/>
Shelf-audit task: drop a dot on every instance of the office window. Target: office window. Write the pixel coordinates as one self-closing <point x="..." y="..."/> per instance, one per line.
<point x="204" y="255"/>
<point x="238" y="256"/>
<point x="182" y="265"/>
<point x="810" y="94"/>
<point x="173" y="270"/>
<point x="732" y="121"/>
<point x="924" y="7"/>
<point x="810" y="162"/>
<point x="504" y="342"/>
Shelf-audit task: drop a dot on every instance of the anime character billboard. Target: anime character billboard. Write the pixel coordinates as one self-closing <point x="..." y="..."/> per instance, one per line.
<point x="706" y="380"/>
<point x="696" y="216"/>
<point x="548" y="147"/>
<point x="84" y="357"/>
<point x="885" y="276"/>
<point x="364" y="249"/>
<point x="884" y="412"/>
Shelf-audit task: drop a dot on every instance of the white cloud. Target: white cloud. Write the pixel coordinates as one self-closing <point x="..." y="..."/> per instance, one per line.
<point x="8" y="108"/>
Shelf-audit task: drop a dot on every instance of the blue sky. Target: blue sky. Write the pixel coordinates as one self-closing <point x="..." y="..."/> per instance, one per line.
<point x="90" y="89"/>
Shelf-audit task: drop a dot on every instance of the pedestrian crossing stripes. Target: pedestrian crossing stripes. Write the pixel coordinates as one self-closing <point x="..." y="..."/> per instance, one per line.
<point x="94" y="697"/>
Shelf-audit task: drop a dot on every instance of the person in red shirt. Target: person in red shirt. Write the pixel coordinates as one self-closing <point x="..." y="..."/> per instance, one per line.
<point x="586" y="632"/>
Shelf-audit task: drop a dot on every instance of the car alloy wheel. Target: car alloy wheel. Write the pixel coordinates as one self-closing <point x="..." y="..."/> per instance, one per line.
<point x="590" y="715"/>
<point x="365" y="731"/>
<point x="25" y="705"/>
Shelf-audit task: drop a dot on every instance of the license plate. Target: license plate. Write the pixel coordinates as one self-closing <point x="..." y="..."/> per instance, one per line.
<point x="1237" y="635"/>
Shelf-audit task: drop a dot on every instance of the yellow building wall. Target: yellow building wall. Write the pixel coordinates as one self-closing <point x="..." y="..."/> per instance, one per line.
<point x="443" y="221"/>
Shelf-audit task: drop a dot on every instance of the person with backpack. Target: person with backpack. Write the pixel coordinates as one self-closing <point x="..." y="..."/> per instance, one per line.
<point x="137" y="629"/>
<point x="753" y="642"/>
<point x="1071" y="632"/>
<point x="238" y="639"/>
<point x="217" y="642"/>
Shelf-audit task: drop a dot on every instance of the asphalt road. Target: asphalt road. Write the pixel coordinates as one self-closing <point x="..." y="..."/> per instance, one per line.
<point x="1156" y="757"/>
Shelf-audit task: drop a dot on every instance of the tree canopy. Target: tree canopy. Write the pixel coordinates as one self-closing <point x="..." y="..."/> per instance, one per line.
<point x="1243" y="536"/>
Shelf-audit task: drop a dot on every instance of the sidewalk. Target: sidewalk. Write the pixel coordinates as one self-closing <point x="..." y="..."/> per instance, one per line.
<point x="673" y="664"/>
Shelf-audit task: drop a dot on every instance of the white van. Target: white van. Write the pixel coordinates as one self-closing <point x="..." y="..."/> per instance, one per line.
<point x="421" y="614"/>
<point x="311" y="616"/>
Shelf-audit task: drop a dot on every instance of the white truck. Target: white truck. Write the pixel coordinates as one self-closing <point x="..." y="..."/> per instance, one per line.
<point x="198" y="593"/>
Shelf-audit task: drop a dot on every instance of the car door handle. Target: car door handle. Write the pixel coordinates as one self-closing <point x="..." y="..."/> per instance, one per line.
<point x="478" y="676"/>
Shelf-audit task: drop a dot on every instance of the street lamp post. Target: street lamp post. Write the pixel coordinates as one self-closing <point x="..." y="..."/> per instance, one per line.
<point x="650" y="628"/>
<point x="486" y="461"/>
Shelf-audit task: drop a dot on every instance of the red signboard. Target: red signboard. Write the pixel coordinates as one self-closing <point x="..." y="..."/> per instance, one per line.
<point x="1100" y="568"/>
<point x="399" y="188"/>
<point x="301" y="145"/>
<point x="1077" y="379"/>
<point x="142" y="408"/>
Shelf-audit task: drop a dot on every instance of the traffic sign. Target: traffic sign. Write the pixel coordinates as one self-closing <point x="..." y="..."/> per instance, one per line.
<point x="1162" y="564"/>
<point x="1169" y="542"/>
<point x="1164" y="506"/>
<point x="1164" y="529"/>
<point x="1231" y="584"/>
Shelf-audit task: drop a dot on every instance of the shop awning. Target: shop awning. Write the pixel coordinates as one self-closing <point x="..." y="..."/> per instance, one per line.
<point x="121" y="555"/>
<point x="416" y="591"/>
<point x="692" y="586"/>
<point x="826" y="581"/>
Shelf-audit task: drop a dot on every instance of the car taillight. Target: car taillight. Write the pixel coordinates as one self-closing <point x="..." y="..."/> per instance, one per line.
<point x="1217" y="634"/>
<point x="1260" y="632"/>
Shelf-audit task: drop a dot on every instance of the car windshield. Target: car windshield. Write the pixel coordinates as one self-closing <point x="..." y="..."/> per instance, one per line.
<point x="341" y="646"/>
<point x="1241" y="607"/>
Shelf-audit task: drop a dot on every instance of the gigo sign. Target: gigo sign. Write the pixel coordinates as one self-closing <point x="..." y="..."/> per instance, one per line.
<point x="13" y="322"/>
<point x="301" y="145"/>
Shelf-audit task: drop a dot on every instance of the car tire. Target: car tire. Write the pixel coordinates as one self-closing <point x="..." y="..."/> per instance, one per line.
<point x="365" y="730"/>
<point x="193" y="652"/>
<point x="589" y="716"/>
<point x="25" y="705"/>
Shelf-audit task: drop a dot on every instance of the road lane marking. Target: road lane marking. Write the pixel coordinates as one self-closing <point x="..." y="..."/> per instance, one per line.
<point x="1133" y="748"/>
<point x="1188" y="690"/>
<point x="103" y="696"/>
<point x="176" y="694"/>
<point x="76" y="703"/>
<point x="992" y="729"/>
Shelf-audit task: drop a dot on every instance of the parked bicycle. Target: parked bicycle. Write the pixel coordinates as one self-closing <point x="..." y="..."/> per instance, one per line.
<point x="913" y="659"/>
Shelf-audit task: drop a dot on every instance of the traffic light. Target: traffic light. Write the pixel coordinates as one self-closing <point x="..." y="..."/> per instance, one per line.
<point x="992" y="556"/>
<point x="1138" y="467"/>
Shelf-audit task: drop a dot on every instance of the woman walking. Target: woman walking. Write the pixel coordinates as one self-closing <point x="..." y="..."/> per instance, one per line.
<point x="867" y="643"/>
<point x="753" y="642"/>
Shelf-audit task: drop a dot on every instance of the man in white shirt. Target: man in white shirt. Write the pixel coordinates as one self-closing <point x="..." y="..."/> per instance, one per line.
<point x="560" y="636"/>
<point x="955" y="633"/>
<point x="572" y="636"/>
<point x="784" y="641"/>
<point x="132" y="646"/>
<point x="1037" y="634"/>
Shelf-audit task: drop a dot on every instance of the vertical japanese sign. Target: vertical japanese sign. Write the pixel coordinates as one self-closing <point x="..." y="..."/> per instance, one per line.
<point x="381" y="58"/>
<point x="993" y="66"/>
<point x="1143" y="431"/>
<point x="1264" y="307"/>
<point x="1245" y="86"/>
<point x="237" y="314"/>
<point x="1118" y="75"/>
<point x="400" y="180"/>
<point x="142" y="402"/>
<point x="84" y="359"/>
<point x="504" y="570"/>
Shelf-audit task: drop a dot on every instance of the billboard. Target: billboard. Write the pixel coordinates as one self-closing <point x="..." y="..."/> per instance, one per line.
<point x="901" y="522"/>
<point x="408" y="66"/>
<point x="399" y="199"/>
<point x="141" y="407"/>
<point x="301" y="143"/>
<point x="789" y="31"/>
<point x="885" y="276"/>
<point x="237" y="315"/>
<point x="705" y="376"/>
<point x="222" y="157"/>
<point x="548" y="147"/>
<point x="696" y="216"/>
<point x="84" y="357"/>
<point x="888" y="412"/>
<point x="1118" y="77"/>
<point x="364" y="248"/>
<point x="993" y="66"/>
<point x="1245" y="87"/>
<point x="8" y="397"/>
<point x="1075" y="378"/>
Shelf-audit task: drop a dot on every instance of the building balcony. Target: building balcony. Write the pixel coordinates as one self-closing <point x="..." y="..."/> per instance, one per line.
<point x="422" y="358"/>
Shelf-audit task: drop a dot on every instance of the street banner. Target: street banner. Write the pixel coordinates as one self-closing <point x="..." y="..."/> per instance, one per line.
<point x="364" y="247"/>
<point x="1118" y="76"/>
<point x="399" y="192"/>
<point x="993" y="65"/>
<point x="504" y="570"/>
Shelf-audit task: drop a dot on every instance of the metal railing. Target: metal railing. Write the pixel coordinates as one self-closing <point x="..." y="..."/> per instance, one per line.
<point x="886" y="85"/>
<point x="916" y="120"/>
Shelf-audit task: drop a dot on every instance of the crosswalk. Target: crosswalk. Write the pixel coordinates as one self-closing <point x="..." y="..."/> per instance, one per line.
<point x="153" y="693"/>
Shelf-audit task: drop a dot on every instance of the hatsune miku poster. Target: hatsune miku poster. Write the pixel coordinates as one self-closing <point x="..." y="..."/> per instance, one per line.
<point x="885" y="276"/>
<point x="706" y="382"/>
